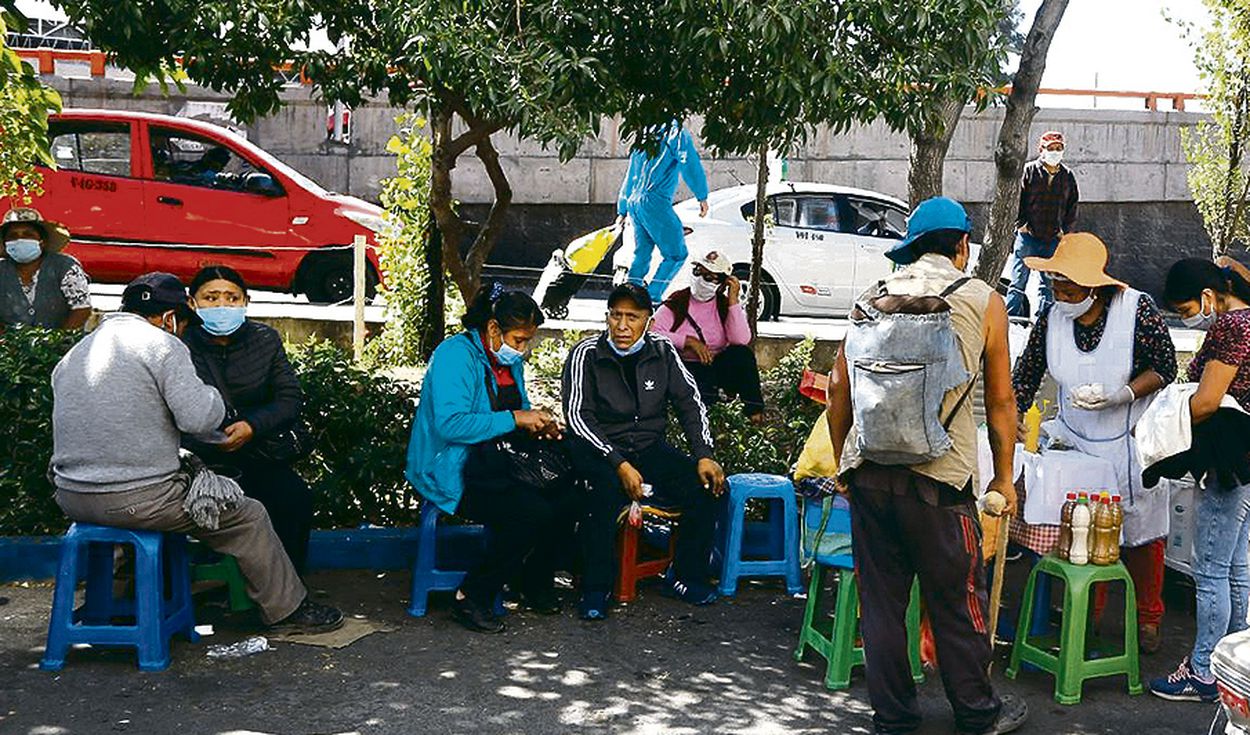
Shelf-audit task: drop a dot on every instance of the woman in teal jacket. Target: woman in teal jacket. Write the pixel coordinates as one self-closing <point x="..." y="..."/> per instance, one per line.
<point x="472" y="395"/>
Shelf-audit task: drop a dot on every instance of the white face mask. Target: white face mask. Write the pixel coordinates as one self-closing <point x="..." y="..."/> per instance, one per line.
<point x="701" y="290"/>
<point x="1074" y="311"/>
<point x="1052" y="158"/>
<point x="1202" y="320"/>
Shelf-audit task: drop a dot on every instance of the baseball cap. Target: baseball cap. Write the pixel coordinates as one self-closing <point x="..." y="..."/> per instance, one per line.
<point x="715" y="262"/>
<point x="931" y="215"/>
<point x="634" y="293"/>
<point x="156" y="293"/>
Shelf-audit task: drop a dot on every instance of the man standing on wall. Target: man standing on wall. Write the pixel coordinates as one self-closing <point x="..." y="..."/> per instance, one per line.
<point x="646" y="197"/>
<point x="1048" y="199"/>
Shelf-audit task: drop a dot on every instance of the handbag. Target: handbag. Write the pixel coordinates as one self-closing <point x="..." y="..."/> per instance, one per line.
<point x="538" y="463"/>
<point x="288" y="445"/>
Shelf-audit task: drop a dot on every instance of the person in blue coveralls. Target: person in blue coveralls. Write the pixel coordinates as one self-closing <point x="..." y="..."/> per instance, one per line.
<point x="647" y="198"/>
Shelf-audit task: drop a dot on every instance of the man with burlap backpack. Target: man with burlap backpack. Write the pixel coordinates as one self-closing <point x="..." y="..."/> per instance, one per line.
<point x="900" y="415"/>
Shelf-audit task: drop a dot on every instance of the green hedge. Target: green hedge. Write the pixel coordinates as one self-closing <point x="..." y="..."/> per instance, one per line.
<point x="360" y="419"/>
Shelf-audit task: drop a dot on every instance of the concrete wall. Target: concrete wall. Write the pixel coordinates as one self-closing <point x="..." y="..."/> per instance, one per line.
<point x="1129" y="165"/>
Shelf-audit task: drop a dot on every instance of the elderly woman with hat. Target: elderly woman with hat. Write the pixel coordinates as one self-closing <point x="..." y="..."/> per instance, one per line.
<point x="1108" y="350"/>
<point x="39" y="285"/>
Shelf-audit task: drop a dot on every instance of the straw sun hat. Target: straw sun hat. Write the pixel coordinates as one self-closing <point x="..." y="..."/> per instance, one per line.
<point x="56" y="236"/>
<point x="1081" y="258"/>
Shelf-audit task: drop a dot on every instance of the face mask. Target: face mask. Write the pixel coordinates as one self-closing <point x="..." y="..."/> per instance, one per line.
<point x="221" y="321"/>
<point x="1072" y="311"/>
<point x="1052" y="158"/>
<point x="1202" y="320"/>
<point x="507" y="354"/>
<point x="629" y="350"/>
<point x="24" y="250"/>
<point x="701" y="290"/>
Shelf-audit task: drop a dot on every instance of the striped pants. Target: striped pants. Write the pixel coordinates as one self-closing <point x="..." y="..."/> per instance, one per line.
<point x="904" y="525"/>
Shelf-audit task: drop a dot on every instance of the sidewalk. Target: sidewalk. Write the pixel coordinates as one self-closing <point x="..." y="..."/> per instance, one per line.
<point x="657" y="666"/>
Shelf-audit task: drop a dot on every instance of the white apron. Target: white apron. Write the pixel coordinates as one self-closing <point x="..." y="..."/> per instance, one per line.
<point x="1107" y="433"/>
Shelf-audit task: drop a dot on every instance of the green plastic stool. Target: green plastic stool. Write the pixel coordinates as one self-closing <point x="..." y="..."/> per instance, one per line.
<point x="1070" y="667"/>
<point x="226" y="569"/>
<point x="838" y="645"/>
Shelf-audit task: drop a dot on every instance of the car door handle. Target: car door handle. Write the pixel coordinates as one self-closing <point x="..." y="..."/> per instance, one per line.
<point x="171" y="201"/>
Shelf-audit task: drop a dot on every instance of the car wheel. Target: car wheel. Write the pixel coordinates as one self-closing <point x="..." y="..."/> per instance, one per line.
<point x="329" y="279"/>
<point x="770" y="296"/>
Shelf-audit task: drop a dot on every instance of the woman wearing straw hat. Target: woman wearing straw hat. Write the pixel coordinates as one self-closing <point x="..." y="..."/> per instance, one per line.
<point x="39" y="285"/>
<point x="1109" y="351"/>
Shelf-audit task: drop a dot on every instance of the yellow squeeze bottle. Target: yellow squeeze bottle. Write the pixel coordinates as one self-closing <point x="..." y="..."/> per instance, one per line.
<point x="1032" y="428"/>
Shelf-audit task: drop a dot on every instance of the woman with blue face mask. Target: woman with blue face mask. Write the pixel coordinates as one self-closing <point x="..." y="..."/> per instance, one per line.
<point x="247" y="363"/>
<point x="1217" y="301"/>
<point x="39" y="285"/>
<point x="1109" y="351"/>
<point x="473" y="396"/>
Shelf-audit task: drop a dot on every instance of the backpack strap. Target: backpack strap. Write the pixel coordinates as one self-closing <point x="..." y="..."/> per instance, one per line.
<point x="955" y="286"/>
<point x="950" y="418"/>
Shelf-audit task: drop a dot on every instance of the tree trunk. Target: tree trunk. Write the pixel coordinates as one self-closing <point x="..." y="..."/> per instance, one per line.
<point x="1012" y="148"/>
<point x="465" y="271"/>
<point x="435" y="298"/>
<point x="928" y="152"/>
<point x="757" y="241"/>
<point x="1236" y="146"/>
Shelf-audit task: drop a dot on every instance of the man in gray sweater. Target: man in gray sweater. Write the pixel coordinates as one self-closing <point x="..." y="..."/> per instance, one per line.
<point x="122" y="397"/>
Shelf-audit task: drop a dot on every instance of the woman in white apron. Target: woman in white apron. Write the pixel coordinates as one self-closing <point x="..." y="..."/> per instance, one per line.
<point x="1109" y="351"/>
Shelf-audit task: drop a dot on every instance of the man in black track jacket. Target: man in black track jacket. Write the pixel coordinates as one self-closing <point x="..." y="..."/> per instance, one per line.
<point x="617" y="387"/>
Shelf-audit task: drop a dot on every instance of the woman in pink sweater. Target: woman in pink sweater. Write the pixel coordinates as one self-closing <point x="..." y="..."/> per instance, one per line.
<point x="709" y="326"/>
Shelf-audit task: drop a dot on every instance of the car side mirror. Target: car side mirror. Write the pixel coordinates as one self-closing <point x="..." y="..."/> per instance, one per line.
<point x="262" y="184"/>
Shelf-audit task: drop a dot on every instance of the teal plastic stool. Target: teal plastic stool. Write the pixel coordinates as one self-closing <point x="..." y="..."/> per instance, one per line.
<point x="1070" y="667"/>
<point x="784" y="532"/>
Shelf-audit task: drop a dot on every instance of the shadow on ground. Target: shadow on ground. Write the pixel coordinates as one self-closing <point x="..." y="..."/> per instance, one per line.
<point x="657" y="666"/>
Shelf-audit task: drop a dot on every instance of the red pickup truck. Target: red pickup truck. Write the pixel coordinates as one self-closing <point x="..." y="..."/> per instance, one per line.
<point x="142" y="192"/>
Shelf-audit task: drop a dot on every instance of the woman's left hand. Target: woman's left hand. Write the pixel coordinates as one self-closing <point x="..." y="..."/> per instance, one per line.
<point x="734" y="291"/>
<point x="1104" y="401"/>
<point x="237" y="434"/>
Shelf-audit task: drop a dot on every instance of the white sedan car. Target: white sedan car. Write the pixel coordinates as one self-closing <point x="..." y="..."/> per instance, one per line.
<point x="825" y="244"/>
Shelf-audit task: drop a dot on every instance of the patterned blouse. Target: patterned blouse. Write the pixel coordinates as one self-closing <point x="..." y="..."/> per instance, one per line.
<point x="75" y="287"/>
<point x="1228" y="341"/>
<point x="1152" y="349"/>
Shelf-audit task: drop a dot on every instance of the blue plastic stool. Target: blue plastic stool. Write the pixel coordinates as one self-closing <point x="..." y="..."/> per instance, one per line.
<point x="784" y="532"/>
<point x="158" y="615"/>
<point x="427" y="577"/>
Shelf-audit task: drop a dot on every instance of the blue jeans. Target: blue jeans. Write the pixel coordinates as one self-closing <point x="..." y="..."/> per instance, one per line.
<point x="1028" y="246"/>
<point x="1221" y="538"/>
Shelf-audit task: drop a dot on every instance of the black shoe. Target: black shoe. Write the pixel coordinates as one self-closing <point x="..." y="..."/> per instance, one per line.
<point x="1011" y="715"/>
<point x="545" y="602"/>
<point x="475" y="617"/>
<point x="310" y="618"/>
<point x="695" y="594"/>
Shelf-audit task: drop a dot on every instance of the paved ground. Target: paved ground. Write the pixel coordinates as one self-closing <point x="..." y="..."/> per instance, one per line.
<point x="656" y="667"/>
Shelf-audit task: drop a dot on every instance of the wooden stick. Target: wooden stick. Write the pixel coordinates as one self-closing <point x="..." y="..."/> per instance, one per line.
<point x="358" y="297"/>
<point x="1000" y="566"/>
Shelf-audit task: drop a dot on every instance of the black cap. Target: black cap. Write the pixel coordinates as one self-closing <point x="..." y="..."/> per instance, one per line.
<point x="631" y="292"/>
<point x="156" y="293"/>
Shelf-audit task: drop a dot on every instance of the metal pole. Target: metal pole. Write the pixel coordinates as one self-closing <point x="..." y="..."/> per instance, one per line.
<point x="358" y="296"/>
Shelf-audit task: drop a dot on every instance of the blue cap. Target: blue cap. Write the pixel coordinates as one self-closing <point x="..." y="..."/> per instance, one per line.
<point x="931" y="215"/>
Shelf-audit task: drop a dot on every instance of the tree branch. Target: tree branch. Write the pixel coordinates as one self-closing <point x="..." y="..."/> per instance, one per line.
<point x="484" y="243"/>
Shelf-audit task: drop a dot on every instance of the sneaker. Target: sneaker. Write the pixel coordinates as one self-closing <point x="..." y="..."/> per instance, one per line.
<point x="544" y="602"/>
<point x="475" y="617"/>
<point x="694" y="594"/>
<point x="309" y="618"/>
<point x="1011" y="715"/>
<point x="1183" y="685"/>
<point x="1148" y="639"/>
<point x="594" y="606"/>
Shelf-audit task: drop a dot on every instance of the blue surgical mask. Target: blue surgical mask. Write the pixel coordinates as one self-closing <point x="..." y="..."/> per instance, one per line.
<point x="221" y="321"/>
<point x="1202" y="320"/>
<point x="507" y="354"/>
<point x="23" y="250"/>
<point x="630" y="350"/>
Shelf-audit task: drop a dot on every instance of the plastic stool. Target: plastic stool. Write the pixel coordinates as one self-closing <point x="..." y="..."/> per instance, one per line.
<point x="634" y="562"/>
<point x="157" y="617"/>
<point x="225" y="569"/>
<point x="840" y="647"/>
<point x="1070" y="666"/>
<point x="426" y="576"/>
<point x="784" y="528"/>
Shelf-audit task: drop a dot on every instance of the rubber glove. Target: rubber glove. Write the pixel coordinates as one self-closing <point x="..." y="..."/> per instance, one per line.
<point x="1097" y="400"/>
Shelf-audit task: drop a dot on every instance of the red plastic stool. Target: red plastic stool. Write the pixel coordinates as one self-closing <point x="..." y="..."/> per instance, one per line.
<point x="635" y="561"/>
